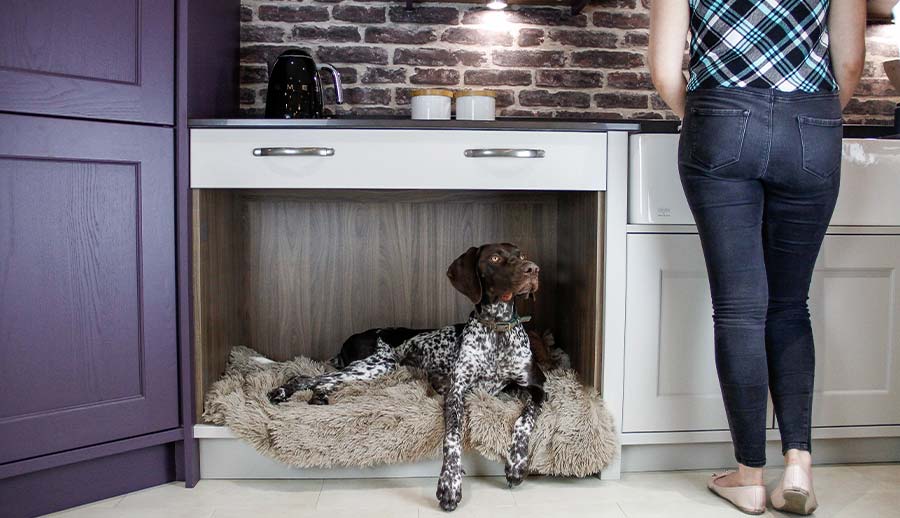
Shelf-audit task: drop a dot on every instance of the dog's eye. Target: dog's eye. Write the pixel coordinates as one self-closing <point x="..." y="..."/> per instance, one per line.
<point x="495" y="258"/>
<point x="523" y="257"/>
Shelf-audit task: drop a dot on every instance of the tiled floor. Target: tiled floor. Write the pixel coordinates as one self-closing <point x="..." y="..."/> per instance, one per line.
<point x="865" y="491"/>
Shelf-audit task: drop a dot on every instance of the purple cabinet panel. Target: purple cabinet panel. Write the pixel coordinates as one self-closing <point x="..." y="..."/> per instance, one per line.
<point x="104" y="59"/>
<point x="88" y="349"/>
<point x="46" y="491"/>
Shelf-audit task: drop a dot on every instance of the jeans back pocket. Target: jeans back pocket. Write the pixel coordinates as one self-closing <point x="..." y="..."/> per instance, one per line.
<point x="717" y="136"/>
<point x="820" y="142"/>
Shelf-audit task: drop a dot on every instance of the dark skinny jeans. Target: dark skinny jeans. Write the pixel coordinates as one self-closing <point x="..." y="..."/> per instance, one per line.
<point x="761" y="171"/>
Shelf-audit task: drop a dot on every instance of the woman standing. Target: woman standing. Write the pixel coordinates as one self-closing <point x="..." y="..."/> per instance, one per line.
<point x="759" y="159"/>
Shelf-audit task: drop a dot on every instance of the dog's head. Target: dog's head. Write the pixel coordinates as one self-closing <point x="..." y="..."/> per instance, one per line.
<point x="493" y="272"/>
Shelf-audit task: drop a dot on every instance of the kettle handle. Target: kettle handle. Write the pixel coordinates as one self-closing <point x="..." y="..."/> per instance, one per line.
<point x="338" y="88"/>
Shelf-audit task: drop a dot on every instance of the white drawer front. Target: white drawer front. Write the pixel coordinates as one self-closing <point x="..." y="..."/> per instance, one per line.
<point x="397" y="159"/>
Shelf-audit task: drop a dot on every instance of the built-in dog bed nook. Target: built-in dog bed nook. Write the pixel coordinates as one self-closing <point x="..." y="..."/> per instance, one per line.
<point x="398" y="418"/>
<point x="295" y="272"/>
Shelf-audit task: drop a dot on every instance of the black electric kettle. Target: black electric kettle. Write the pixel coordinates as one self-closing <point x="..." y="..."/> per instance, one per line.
<point x="295" y="88"/>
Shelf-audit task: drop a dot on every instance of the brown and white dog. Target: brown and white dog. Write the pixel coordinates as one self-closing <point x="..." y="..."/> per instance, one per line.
<point x="490" y="351"/>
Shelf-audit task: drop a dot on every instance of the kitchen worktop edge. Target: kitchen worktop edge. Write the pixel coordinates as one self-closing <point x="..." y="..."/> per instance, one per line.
<point x="408" y="124"/>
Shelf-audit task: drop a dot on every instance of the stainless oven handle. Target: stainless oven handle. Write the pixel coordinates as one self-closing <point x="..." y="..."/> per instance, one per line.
<point x="504" y="153"/>
<point x="293" y="151"/>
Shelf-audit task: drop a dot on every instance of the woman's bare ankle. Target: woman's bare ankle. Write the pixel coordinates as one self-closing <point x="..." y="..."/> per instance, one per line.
<point x="801" y="457"/>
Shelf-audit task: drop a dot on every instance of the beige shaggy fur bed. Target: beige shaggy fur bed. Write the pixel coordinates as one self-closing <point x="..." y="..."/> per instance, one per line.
<point x="398" y="418"/>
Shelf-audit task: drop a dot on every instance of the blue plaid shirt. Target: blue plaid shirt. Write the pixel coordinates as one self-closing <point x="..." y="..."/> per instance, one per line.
<point x="776" y="44"/>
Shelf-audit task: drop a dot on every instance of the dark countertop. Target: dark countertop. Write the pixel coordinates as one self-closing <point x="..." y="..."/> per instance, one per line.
<point x="866" y="131"/>
<point x="501" y="124"/>
<point x="508" y="124"/>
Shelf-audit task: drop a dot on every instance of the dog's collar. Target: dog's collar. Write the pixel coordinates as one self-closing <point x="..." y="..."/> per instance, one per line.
<point x="503" y="326"/>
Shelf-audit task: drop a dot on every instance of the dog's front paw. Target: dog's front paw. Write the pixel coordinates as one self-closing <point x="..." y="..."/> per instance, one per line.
<point x="516" y="464"/>
<point x="279" y="395"/>
<point x="449" y="489"/>
<point x="515" y="473"/>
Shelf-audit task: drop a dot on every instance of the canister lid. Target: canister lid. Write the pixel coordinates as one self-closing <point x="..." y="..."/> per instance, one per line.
<point x="432" y="91"/>
<point x="479" y="93"/>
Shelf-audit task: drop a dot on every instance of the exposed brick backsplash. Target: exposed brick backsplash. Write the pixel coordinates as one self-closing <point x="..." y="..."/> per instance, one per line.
<point x="541" y="61"/>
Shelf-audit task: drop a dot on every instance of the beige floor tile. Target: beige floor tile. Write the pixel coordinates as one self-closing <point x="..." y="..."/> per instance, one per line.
<point x="885" y="476"/>
<point x="172" y="495"/>
<point x="288" y="512"/>
<point x="865" y="491"/>
<point x="543" y="490"/>
<point x="666" y="486"/>
<point x="101" y="504"/>
<point x="240" y="494"/>
<point x="557" y="510"/>
<point x="145" y="512"/>
<point x="296" y="494"/>
<point x="874" y="504"/>
<point x="680" y="509"/>
<point x="595" y="509"/>
<point x="590" y="490"/>
<point x="375" y="494"/>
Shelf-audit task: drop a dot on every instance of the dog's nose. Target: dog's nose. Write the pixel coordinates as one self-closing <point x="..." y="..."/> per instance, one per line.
<point x="530" y="267"/>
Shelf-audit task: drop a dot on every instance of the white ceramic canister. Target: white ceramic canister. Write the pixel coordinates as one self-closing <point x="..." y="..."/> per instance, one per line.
<point x="431" y="104"/>
<point x="476" y="105"/>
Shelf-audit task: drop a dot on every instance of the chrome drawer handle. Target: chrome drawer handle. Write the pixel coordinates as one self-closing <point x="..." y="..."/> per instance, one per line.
<point x="293" y="151"/>
<point x="504" y="153"/>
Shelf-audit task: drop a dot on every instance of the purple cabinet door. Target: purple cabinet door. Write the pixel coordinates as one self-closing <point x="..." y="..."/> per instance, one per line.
<point x="87" y="284"/>
<point x="104" y="59"/>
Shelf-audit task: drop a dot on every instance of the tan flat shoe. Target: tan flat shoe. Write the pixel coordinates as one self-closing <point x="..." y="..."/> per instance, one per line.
<point x="794" y="494"/>
<point x="749" y="499"/>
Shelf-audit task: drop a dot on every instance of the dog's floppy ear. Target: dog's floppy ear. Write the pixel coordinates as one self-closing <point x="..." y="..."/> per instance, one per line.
<point x="463" y="274"/>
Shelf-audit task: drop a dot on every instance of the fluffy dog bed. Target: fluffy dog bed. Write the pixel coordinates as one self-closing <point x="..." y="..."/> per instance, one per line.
<point x="398" y="418"/>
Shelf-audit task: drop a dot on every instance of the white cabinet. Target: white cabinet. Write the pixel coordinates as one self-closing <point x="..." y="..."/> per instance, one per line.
<point x="670" y="373"/>
<point x="670" y="378"/>
<point x="855" y="308"/>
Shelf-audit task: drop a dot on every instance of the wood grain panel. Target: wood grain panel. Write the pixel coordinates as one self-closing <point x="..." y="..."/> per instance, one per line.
<point x="47" y="37"/>
<point x="322" y="270"/>
<point x="304" y="269"/>
<point x="578" y="314"/>
<point x="68" y="239"/>
<point x="218" y="322"/>
<point x="88" y="351"/>
<point x="102" y="59"/>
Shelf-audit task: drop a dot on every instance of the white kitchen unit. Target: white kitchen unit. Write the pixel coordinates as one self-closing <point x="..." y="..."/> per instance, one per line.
<point x="644" y="330"/>
<point x="855" y="308"/>
<point x="853" y="302"/>
<point x="670" y="382"/>
<point x="363" y="218"/>
<point x="671" y="408"/>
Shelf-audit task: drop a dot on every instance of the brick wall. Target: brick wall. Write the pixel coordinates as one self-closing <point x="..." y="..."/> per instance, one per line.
<point x="541" y="61"/>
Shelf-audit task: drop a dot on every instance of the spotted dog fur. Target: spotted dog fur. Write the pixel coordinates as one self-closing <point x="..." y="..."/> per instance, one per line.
<point x="489" y="360"/>
<point x="383" y="361"/>
<point x="461" y="358"/>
